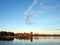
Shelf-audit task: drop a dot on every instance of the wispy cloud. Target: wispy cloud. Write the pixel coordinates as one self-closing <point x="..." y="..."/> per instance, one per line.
<point x="43" y="7"/>
<point x="28" y="13"/>
<point x="49" y="4"/>
<point x="30" y="7"/>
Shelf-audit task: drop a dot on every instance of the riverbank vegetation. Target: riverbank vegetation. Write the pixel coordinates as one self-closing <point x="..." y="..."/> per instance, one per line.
<point x="11" y="35"/>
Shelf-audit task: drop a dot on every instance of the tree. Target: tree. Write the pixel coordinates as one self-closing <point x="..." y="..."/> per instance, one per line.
<point x="3" y="33"/>
<point x="10" y="34"/>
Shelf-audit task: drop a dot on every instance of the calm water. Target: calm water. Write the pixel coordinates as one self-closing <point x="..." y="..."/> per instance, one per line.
<point x="34" y="41"/>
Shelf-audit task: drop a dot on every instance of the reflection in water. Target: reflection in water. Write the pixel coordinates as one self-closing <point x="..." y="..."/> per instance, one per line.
<point x="32" y="41"/>
<point x="31" y="38"/>
<point x="47" y="37"/>
<point x="7" y="39"/>
<point x="25" y="38"/>
<point x="38" y="38"/>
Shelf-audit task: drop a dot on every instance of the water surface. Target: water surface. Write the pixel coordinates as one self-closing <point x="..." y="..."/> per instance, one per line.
<point x="34" y="41"/>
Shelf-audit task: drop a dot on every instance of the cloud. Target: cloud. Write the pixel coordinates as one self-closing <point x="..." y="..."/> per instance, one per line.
<point x="49" y="4"/>
<point x="28" y="13"/>
<point x="30" y="7"/>
<point x="43" y="8"/>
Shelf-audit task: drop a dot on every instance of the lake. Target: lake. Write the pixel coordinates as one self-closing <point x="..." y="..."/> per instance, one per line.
<point x="34" y="41"/>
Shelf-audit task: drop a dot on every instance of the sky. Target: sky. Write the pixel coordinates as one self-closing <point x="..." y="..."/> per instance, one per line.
<point x="38" y="16"/>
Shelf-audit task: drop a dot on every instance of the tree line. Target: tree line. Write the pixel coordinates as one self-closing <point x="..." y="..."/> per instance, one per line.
<point x="4" y="33"/>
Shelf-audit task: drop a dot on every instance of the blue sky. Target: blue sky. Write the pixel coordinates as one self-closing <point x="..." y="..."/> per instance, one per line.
<point x="45" y="14"/>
